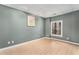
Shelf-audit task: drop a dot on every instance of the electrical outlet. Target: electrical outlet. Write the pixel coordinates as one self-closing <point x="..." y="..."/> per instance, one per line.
<point x="68" y="38"/>
<point x="13" y="42"/>
<point x="8" y="42"/>
<point x="47" y="35"/>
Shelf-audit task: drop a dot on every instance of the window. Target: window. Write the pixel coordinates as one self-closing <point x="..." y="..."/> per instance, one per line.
<point x="56" y="28"/>
<point x="31" y="20"/>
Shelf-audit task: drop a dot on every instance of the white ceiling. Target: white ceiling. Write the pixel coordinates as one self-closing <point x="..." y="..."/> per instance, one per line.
<point x="46" y="10"/>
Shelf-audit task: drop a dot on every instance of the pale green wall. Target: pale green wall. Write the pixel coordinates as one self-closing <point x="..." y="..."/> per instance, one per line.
<point x="13" y="27"/>
<point x="70" y="26"/>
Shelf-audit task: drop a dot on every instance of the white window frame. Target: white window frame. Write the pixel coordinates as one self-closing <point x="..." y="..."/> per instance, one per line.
<point x="61" y="28"/>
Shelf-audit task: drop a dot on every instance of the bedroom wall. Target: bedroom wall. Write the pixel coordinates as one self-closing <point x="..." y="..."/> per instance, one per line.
<point x="70" y="26"/>
<point x="13" y="27"/>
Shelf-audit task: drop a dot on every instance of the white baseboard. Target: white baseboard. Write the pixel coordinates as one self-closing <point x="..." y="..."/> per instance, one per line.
<point x="20" y="44"/>
<point x="37" y="40"/>
<point x="65" y="41"/>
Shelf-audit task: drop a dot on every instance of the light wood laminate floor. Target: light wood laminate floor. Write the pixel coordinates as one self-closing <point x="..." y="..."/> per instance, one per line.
<point x="44" y="46"/>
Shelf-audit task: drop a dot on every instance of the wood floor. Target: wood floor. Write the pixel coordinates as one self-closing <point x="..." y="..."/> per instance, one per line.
<point x="44" y="46"/>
